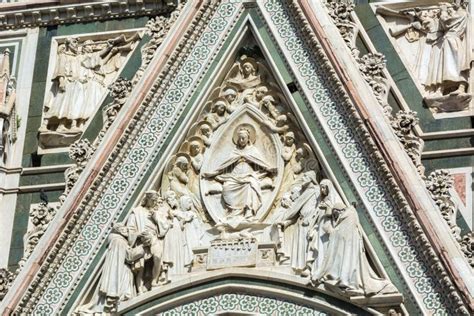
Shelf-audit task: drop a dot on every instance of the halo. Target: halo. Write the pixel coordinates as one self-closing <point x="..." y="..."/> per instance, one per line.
<point x="198" y="126"/>
<point x="229" y="86"/>
<point x="185" y="155"/>
<point x="196" y="139"/>
<point x="250" y="128"/>
<point x="245" y="59"/>
<point x="219" y="99"/>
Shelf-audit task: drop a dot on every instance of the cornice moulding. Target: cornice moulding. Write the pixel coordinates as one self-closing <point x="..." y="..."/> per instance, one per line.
<point x="54" y="12"/>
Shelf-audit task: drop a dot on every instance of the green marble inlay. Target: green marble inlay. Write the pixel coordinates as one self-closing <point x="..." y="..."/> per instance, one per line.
<point x="401" y="76"/>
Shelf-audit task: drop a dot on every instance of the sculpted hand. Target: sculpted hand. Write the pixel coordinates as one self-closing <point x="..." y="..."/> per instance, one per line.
<point x="417" y="25"/>
<point x="62" y="84"/>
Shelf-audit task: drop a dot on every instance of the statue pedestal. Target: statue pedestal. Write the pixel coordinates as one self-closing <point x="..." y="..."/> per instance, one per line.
<point x="449" y="103"/>
<point x="50" y="139"/>
<point x="234" y="253"/>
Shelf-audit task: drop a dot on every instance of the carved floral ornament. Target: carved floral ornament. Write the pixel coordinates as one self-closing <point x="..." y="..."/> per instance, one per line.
<point x="243" y="190"/>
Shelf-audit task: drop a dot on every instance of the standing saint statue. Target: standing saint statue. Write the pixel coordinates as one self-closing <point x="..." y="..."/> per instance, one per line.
<point x="67" y="92"/>
<point x="450" y="57"/>
<point x="116" y="282"/>
<point x="345" y="267"/>
<point x="243" y="175"/>
<point x="145" y="231"/>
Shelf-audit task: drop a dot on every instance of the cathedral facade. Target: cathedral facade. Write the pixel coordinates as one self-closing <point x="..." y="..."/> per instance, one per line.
<point x="236" y="157"/>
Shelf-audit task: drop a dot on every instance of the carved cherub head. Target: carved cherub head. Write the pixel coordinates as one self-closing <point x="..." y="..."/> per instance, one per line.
<point x="243" y="138"/>
<point x="170" y="197"/>
<point x="195" y="148"/>
<point x="289" y="138"/>
<point x="260" y="92"/>
<point x="230" y="94"/>
<point x="186" y="203"/>
<point x="182" y="163"/>
<point x="150" y="199"/>
<point x="205" y="129"/>
<point x="219" y="107"/>
<point x="325" y="187"/>
<point x="249" y="67"/>
<point x="72" y="44"/>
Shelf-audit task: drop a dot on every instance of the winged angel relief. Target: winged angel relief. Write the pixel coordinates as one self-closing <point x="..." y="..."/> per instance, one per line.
<point x="244" y="176"/>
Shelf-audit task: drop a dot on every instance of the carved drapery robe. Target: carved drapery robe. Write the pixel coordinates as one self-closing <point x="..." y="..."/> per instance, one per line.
<point x="117" y="281"/>
<point x="303" y="209"/>
<point x="94" y="86"/>
<point x="176" y="255"/>
<point x="241" y="188"/>
<point x="345" y="264"/>
<point x="320" y="235"/>
<point x="451" y="54"/>
<point x="117" y="276"/>
<point x="65" y="104"/>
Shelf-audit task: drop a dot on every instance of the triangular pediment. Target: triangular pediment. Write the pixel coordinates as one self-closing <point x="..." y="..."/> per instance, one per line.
<point x="231" y="159"/>
<point x="242" y="186"/>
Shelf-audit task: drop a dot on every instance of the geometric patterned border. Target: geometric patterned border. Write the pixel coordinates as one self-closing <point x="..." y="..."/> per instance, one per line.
<point x="381" y="207"/>
<point x="243" y="303"/>
<point x="327" y="105"/>
<point x="136" y="164"/>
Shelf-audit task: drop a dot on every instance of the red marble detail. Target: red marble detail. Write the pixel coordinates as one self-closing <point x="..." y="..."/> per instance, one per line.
<point x="460" y="185"/>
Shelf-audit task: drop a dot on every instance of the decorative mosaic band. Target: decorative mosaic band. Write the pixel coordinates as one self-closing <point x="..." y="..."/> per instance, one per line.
<point x="137" y="163"/>
<point x="360" y="166"/>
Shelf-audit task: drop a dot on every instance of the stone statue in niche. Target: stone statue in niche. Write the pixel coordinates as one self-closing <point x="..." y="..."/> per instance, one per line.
<point x="244" y="178"/>
<point x="83" y="71"/>
<point x="443" y="36"/>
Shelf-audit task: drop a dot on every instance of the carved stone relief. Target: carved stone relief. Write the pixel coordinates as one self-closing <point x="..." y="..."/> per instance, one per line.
<point x="440" y="183"/>
<point x="6" y="278"/>
<point x="42" y="214"/>
<point x="403" y="125"/>
<point x="40" y="217"/>
<point x="83" y="69"/>
<point x="8" y="119"/>
<point x="436" y="42"/>
<point x="244" y="189"/>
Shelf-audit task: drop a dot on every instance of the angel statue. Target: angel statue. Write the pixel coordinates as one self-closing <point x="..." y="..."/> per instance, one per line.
<point x="243" y="175"/>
